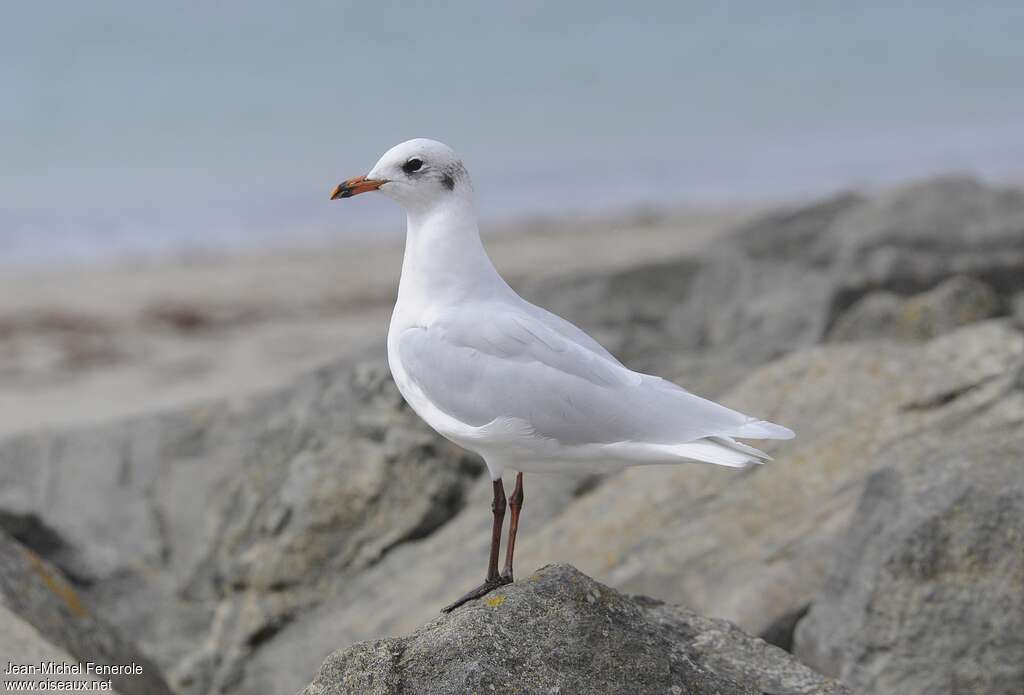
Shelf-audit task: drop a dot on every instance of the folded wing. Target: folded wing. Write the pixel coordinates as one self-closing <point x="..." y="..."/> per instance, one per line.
<point x="481" y="364"/>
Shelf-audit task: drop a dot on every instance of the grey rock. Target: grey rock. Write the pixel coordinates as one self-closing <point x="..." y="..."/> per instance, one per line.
<point x="782" y="631"/>
<point x="753" y="546"/>
<point x="956" y="302"/>
<point x="21" y="643"/>
<point x="228" y="522"/>
<point x="781" y="281"/>
<point x="765" y="289"/>
<point x="407" y="587"/>
<point x="924" y="594"/>
<point x="44" y="618"/>
<point x="240" y="543"/>
<point x="1017" y="309"/>
<point x="785" y="279"/>
<point x="625" y="310"/>
<point x="560" y="631"/>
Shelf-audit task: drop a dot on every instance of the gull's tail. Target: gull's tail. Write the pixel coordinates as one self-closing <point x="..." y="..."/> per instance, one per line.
<point x="723" y="450"/>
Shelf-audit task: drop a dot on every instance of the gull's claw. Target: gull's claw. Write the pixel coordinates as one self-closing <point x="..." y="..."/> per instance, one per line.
<point x="482" y="590"/>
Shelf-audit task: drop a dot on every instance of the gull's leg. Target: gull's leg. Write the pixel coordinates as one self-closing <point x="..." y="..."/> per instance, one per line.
<point x="498" y="510"/>
<point x="494" y="580"/>
<point x="515" y="503"/>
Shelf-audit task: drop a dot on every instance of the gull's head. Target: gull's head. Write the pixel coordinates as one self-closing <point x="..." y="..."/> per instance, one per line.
<point x="417" y="173"/>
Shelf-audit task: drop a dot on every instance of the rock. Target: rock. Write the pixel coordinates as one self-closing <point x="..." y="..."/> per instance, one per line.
<point x="925" y="593"/>
<point x="561" y="631"/>
<point x="407" y="586"/>
<point x="785" y="279"/>
<point x="21" y="643"/>
<point x="782" y="630"/>
<point x="625" y="310"/>
<point x="228" y="522"/>
<point x="240" y="543"/>
<point x="764" y="290"/>
<point x="42" y="618"/>
<point x="914" y="236"/>
<point x="956" y="302"/>
<point x="697" y="535"/>
<point x="689" y="534"/>
<point x="780" y="282"/>
<point x="1017" y="309"/>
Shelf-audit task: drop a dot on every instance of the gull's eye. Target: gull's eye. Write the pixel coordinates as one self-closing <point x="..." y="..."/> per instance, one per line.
<point x="412" y="165"/>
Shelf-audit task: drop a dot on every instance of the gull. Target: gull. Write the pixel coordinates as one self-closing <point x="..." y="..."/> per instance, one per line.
<point x="521" y="387"/>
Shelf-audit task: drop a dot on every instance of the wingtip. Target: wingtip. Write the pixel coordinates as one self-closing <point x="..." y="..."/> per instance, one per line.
<point x="762" y="429"/>
<point x="785" y="432"/>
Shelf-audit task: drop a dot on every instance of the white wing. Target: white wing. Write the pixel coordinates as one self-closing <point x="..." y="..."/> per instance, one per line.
<point x="567" y="330"/>
<point x="491" y="361"/>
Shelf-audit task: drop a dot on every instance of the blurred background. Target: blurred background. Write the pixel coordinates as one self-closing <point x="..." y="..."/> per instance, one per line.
<point x="133" y="127"/>
<point x="809" y="210"/>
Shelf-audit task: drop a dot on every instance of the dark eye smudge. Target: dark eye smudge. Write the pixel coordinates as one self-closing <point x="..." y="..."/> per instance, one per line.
<point x="448" y="181"/>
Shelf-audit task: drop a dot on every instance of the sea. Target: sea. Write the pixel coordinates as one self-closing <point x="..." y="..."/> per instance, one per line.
<point x="137" y="129"/>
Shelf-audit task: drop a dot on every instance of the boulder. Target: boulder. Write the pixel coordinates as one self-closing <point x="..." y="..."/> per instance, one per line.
<point x="43" y="619"/>
<point x="407" y="586"/>
<point x="956" y="302"/>
<point x="925" y="592"/>
<point x="753" y="546"/>
<point x="22" y="644"/>
<point x="249" y="612"/>
<point x="781" y="281"/>
<point x="624" y="310"/>
<point x="203" y="532"/>
<point x="750" y="546"/>
<point x="785" y="279"/>
<point x="766" y="288"/>
<point x="1017" y="309"/>
<point x="560" y="631"/>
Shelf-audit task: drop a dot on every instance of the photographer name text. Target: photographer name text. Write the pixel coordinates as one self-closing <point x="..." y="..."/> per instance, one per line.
<point x="62" y="668"/>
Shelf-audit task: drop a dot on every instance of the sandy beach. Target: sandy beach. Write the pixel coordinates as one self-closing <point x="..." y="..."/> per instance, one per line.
<point x="85" y="344"/>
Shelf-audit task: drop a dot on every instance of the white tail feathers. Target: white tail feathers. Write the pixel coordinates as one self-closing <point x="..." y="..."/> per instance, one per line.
<point x="741" y="447"/>
<point x="726" y="451"/>
<point x="722" y="451"/>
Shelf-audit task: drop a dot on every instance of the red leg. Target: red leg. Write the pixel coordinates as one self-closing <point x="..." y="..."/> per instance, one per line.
<point x="515" y="503"/>
<point x="493" y="580"/>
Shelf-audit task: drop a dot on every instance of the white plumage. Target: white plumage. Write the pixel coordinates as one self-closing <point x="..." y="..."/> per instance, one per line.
<point x="522" y="387"/>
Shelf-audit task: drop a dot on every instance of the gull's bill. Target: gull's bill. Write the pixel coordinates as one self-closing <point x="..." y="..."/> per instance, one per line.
<point x="355" y="186"/>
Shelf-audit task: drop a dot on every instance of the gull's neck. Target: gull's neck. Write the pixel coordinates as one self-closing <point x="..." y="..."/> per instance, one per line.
<point x="445" y="261"/>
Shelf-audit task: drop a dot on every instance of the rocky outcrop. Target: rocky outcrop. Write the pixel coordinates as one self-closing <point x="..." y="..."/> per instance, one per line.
<point x="227" y="522"/>
<point x="956" y="302"/>
<point x="560" y="631"/>
<point x="21" y="643"/>
<point x="787" y="279"/>
<point x="753" y="546"/>
<point x="925" y="593"/>
<point x="44" y="619"/>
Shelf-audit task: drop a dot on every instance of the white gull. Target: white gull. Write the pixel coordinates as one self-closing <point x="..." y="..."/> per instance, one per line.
<point x="518" y="385"/>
